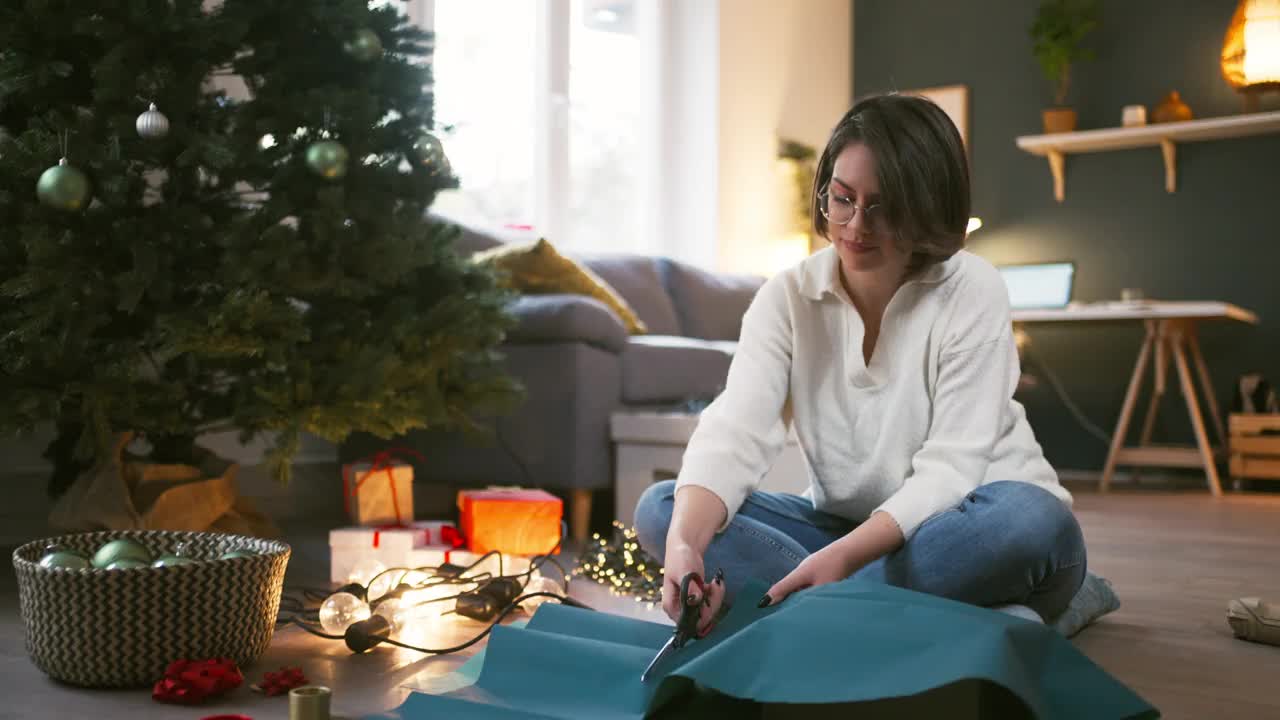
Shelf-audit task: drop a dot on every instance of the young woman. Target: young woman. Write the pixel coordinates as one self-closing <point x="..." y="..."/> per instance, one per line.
<point x="892" y="353"/>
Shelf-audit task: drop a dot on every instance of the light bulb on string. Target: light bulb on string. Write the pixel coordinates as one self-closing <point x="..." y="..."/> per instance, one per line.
<point x="365" y="571"/>
<point x="383" y="582"/>
<point x="539" y="583"/>
<point x="341" y="610"/>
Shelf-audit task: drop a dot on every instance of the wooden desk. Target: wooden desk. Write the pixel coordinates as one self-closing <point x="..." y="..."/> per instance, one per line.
<point x="1171" y="333"/>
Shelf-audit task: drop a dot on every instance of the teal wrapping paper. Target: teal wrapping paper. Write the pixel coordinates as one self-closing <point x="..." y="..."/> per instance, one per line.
<point x="852" y="642"/>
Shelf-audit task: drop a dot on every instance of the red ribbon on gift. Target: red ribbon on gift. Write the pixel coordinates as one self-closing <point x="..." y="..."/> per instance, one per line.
<point x="379" y="461"/>
<point x="449" y="535"/>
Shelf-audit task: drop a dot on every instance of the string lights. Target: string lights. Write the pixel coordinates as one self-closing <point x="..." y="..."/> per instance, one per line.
<point x="401" y="602"/>
<point x="621" y="565"/>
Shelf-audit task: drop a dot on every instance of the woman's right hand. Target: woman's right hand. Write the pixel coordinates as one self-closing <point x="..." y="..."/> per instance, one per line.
<point x="681" y="560"/>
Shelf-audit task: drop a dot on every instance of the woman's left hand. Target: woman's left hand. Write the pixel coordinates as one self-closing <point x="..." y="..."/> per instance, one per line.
<point x="828" y="565"/>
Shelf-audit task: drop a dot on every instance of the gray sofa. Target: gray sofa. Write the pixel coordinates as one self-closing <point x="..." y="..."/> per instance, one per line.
<point x="579" y="365"/>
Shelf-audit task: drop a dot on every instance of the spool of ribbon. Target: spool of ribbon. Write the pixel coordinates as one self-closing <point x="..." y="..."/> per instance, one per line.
<point x="309" y="703"/>
<point x="378" y="462"/>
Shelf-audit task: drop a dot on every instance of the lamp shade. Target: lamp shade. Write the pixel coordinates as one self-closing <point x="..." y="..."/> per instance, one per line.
<point x="1251" y="50"/>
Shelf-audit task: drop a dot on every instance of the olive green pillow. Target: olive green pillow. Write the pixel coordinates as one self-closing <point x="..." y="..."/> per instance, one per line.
<point x="537" y="269"/>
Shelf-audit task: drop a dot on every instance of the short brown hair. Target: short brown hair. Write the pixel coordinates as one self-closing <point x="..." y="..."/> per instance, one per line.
<point x="922" y="168"/>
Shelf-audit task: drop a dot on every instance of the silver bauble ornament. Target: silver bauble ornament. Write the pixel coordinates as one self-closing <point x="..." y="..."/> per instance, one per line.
<point x="429" y="153"/>
<point x="364" y="45"/>
<point x="328" y="159"/>
<point x="63" y="187"/>
<point x="152" y="124"/>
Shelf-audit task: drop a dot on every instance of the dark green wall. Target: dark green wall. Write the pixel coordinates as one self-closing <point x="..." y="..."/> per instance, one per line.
<point x="1216" y="238"/>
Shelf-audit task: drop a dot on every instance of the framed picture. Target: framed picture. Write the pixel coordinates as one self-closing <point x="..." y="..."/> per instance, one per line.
<point x="954" y="100"/>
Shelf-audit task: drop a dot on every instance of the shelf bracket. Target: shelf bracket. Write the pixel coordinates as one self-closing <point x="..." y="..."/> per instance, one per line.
<point x="1169" y="151"/>
<point x="1057" y="166"/>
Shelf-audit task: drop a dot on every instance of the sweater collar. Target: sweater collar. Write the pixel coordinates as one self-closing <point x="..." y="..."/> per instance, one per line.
<point x="820" y="273"/>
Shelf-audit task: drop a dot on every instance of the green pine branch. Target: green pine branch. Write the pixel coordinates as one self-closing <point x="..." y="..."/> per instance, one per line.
<point x="215" y="283"/>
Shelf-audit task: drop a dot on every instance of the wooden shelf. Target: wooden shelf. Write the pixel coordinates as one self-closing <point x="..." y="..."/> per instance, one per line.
<point x="1164" y="135"/>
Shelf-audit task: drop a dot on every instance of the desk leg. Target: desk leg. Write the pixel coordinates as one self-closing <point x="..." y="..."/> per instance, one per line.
<point x="1193" y="410"/>
<point x="1157" y="394"/>
<point x="1126" y="411"/>
<point x="1193" y="344"/>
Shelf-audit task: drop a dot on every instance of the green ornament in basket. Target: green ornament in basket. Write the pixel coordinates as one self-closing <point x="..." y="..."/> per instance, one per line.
<point x="126" y="554"/>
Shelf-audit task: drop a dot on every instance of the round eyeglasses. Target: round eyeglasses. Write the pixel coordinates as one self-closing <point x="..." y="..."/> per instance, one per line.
<point x="840" y="210"/>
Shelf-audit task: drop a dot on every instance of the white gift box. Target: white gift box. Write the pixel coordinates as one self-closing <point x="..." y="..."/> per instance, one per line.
<point x="420" y="544"/>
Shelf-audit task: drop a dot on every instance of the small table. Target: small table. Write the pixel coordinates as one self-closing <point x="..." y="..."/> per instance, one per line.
<point x="1171" y="333"/>
<point x="649" y="447"/>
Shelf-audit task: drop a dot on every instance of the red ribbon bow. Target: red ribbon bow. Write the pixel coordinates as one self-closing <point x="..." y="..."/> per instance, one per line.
<point x="449" y="535"/>
<point x="191" y="682"/>
<point x="379" y="461"/>
<point x="279" y="683"/>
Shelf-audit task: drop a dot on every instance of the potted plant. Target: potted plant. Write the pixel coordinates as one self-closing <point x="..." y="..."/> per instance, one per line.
<point x="1058" y="33"/>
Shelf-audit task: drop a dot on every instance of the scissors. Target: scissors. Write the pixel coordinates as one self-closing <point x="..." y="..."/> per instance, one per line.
<point x="687" y="625"/>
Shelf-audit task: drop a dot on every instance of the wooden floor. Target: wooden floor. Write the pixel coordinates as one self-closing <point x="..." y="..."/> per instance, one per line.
<point x="1176" y="559"/>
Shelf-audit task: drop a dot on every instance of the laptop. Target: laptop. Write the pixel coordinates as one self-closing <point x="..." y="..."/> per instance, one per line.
<point x="1039" y="286"/>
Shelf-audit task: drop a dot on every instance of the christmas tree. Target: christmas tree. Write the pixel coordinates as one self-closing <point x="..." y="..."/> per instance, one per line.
<point x="257" y="261"/>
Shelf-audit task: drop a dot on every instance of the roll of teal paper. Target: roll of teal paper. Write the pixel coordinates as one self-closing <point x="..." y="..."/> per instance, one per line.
<point x="881" y="650"/>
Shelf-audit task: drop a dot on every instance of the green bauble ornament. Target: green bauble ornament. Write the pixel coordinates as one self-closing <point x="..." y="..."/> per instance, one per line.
<point x="122" y="549"/>
<point x="63" y="187"/>
<point x="64" y="559"/>
<point x="328" y="159"/>
<point x="171" y="561"/>
<point x="127" y="564"/>
<point x="364" y="46"/>
<point x="429" y="153"/>
<point x="235" y="554"/>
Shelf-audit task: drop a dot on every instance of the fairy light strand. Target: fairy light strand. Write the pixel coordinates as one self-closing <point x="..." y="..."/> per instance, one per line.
<point x="619" y="564"/>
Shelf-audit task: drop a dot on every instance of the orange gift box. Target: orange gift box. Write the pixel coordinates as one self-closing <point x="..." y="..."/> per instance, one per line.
<point x="514" y="521"/>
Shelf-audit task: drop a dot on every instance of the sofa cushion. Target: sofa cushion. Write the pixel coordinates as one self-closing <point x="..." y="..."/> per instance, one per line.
<point x="665" y="368"/>
<point x="537" y="268"/>
<point x="637" y="278"/>
<point x="710" y="305"/>
<point x="566" y="318"/>
<point x="476" y="237"/>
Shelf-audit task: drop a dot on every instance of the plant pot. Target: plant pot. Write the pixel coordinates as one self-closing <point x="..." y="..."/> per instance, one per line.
<point x="1059" y="120"/>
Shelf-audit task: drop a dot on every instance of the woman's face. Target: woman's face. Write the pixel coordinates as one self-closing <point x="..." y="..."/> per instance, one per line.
<point x="866" y="243"/>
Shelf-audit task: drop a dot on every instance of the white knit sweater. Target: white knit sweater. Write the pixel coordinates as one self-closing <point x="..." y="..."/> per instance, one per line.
<point x="930" y="419"/>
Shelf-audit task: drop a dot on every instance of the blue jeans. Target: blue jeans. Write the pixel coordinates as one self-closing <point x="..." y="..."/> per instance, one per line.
<point x="1005" y="543"/>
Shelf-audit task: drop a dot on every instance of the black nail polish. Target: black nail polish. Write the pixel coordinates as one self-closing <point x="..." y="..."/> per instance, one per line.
<point x="765" y="602"/>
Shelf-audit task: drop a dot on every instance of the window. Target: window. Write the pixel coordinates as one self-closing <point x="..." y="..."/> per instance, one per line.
<point x="552" y="113"/>
<point x="483" y="74"/>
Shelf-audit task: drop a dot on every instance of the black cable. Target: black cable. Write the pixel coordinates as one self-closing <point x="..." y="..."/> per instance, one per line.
<point x="456" y="648"/>
<point x="1069" y="403"/>
<point x="537" y="562"/>
<point x="459" y="578"/>
<point x="524" y="468"/>
<point x="314" y="631"/>
<point x="501" y="616"/>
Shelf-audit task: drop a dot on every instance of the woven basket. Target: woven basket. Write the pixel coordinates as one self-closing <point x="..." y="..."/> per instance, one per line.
<point x="121" y="628"/>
